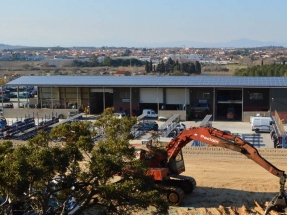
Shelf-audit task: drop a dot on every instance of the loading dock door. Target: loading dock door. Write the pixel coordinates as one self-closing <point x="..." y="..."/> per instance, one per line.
<point x="151" y="95"/>
<point x="177" y="96"/>
<point x="228" y="98"/>
<point x="98" y="98"/>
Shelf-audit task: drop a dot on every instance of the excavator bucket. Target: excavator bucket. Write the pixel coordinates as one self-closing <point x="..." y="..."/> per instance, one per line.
<point x="279" y="202"/>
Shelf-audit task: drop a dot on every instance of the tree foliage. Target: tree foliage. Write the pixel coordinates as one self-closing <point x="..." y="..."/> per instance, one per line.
<point x="176" y="68"/>
<point x="104" y="174"/>
<point x="93" y="62"/>
<point x="269" y="70"/>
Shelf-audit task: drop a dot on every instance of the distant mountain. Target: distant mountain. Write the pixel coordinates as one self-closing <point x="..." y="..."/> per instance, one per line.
<point x="4" y="46"/>
<point x="246" y="43"/>
<point x="241" y="43"/>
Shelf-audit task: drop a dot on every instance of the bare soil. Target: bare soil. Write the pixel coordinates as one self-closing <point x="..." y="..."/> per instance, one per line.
<point x="229" y="183"/>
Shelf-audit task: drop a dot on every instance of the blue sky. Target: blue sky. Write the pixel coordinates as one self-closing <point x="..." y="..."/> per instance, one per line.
<point x="133" y="22"/>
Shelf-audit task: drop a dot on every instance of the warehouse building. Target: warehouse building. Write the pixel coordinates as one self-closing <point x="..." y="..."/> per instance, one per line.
<point x="186" y="95"/>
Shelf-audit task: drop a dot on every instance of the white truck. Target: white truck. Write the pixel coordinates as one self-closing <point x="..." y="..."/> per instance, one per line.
<point x="261" y="124"/>
<point x="150" y="113"/>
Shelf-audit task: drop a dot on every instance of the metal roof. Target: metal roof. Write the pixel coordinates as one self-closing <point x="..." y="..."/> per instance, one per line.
<point x="149" y="81"/>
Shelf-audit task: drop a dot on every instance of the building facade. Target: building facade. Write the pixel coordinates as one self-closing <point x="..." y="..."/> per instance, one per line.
<point x="248" y="96"/>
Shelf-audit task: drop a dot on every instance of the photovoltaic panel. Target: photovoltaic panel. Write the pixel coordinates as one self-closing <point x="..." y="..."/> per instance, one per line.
<point x="154" y="81"/>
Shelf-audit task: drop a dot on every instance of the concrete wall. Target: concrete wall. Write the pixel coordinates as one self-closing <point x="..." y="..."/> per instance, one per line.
<point x="169" y="113"/>
<point x="246" y="115"/>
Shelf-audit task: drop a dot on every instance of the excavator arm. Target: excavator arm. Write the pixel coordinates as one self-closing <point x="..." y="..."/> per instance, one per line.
<point x="216" y="137"/>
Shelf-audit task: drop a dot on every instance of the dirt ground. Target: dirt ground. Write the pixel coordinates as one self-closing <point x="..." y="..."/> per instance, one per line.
<point x="229" y="183"/>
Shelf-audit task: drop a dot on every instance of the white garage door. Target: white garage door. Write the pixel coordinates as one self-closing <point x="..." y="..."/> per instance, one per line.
<point x="177" y="96"/>
<point x="151" y="95"/>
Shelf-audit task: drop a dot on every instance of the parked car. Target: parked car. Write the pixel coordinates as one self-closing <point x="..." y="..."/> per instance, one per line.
<point x="12" y="88"/>
<point x="3" y="122"/>
<point x="25" y="95"/>
<point x="4" y="98"/>
<point x="149" y="126"/>
<point x="181" y="126"/>
<point x="230" y="114"/>
<point x="13" y="95"/>
<point x="22" y="88"/>
<point x="173" y="133"/>
<point x="204" y="107"/>
<point x="33" y="92"/>
<point x="25" y="104"/>
<point x="72" y="113"/>
<point x="8" y="105"/>
<point x="119" y="114"/>
<point x="150" y="113"/>
<point x="261" y="124"/>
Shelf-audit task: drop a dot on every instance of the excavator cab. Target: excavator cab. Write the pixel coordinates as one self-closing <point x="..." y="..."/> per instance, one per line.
<point x="176" y="166"/>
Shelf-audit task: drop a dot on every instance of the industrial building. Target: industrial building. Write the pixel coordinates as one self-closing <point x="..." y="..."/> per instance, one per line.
<point x="167" y="95"/>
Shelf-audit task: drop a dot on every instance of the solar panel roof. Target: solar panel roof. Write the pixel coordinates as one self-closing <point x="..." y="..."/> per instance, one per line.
<point x="149" y="81"/>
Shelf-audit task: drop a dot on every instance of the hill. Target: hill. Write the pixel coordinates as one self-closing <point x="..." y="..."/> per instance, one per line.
<point x="5" y="46"/>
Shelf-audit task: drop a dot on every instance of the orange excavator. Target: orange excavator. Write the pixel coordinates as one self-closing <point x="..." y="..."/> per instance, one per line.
<point x="166" y="164"/>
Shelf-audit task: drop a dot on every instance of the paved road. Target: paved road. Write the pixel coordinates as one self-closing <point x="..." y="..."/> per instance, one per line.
<point x="234" y="127"/>
<point x="14" y="101"/>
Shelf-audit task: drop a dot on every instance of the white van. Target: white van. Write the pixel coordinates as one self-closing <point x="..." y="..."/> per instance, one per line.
<point x="150" y="112"/>
<point x="261" y="124"/>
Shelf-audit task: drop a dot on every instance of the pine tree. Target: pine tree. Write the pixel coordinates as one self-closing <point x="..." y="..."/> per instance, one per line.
<point x="147" y="67"/>
<point x="197" y="67"/>
<point x="150" y="66"/>
<point x="27" y="171"/>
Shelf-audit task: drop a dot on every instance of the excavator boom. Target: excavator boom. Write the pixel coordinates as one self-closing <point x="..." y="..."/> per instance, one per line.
<point x="163" y="162"/>
<point x="216" y="137"/>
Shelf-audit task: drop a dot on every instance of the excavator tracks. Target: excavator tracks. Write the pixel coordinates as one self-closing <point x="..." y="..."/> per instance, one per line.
<point x="187" y="184"/>
<point x="174" y="195"/>
<point x="175" y="189"/>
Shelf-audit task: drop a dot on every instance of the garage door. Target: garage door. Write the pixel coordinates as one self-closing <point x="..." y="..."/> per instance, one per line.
<point x="177" y="96"/>
<point x="151" y="95"/>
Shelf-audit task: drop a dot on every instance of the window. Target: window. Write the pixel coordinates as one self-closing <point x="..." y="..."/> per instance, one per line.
<point x="203" y="95"/>
<point x="257" y="96"/>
